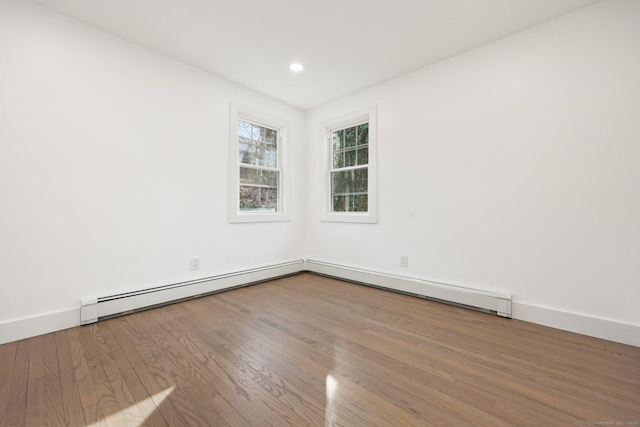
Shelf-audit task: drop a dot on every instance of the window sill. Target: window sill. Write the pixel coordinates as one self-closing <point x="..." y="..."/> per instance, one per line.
<point x="258" y="217"/>
<point x="352" y="217"/>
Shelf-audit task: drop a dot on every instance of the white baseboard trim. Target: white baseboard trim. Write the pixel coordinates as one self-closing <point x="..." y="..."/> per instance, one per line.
<point x="586" y="325"/>
<point x="500" y="303"/>
<point x="581" y="324"/>
<point x="15" y="330"/>
<point x="91" y="311"/>
<point x="109" y="306"/>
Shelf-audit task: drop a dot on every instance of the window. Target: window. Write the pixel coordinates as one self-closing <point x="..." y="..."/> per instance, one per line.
<point x="259" y="174"/>
<point x="257" y="145"/>
<point x="351" y="172"/>
<point x="349" y="180"/>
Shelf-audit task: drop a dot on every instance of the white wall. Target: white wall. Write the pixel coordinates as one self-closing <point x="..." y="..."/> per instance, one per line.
<point x="114" y="169"/>
<point x="514" y="167"/>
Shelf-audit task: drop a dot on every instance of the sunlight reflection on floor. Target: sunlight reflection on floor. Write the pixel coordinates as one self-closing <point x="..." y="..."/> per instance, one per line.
<point x="332" y="387"/>
<point x="135" y="415"/>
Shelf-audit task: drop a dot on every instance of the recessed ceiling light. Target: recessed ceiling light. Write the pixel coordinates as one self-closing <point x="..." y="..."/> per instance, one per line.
<point x="296" y="67"/>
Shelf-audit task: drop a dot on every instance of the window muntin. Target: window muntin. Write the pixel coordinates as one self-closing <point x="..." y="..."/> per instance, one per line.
<point x="259" y="176"/>
<point x="349" y="171"/>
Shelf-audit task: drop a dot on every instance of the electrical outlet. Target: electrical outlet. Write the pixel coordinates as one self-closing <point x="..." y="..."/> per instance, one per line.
<point x="404" y="260"/>
<point x="195" y="263"/>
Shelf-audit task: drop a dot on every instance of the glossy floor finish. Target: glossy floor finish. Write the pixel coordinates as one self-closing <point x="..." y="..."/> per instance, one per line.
<point x="312" y="351"/>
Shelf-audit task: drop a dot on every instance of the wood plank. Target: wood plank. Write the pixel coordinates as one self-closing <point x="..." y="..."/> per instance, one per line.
<point x="261" y="374"/>
<point x="104" y="405"/>
<point x="310" y="376"/>
<point x="227" y="411"/>
<point x="15" y="414"/>
<point x="53" y="404"/>
<point x="7" y="363"/>
<point x="248" y="398"/>
<point x="289" y="303"/>
<point x="71" y="403"/>
<point x="150" y="372"/>
<point x="166" y="369"/>
<point x="35" y="384"/>
<point x="310" y="350"/>
<point x="139" y="394"/>
<point x="516" y="335"/>
<point x="376" y="375"/>
<point x="84" y="382"/>
<point x="106" y="371"/>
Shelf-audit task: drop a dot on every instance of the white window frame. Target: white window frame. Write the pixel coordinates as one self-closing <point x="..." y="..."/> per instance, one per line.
<point x="236" y="113"/>
<point x="366" y="115"/>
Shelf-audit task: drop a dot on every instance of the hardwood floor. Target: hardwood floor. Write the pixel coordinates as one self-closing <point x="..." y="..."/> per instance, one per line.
<point x="307" y="350"/>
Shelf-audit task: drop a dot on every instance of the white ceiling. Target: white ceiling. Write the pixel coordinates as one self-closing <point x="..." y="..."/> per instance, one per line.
<point x="345" y="45"/>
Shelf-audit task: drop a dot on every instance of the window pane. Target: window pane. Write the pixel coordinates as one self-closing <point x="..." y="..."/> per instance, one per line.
<point x="350" y="137"/>
<point x="269" y="198"/>
<point x="257" y="133"/>
<point x="363" y="156"/>
<point x="348" y="203"/>
<point x="361" y="180"/>
<point x="258" y="154"/>
<point x="249" y="176"/>
<point x="258" y="199"/>
<point x="359" y="203"/>
<point x="259" y="177"/>
<point x="257" y="145"/>
<point x="244" y="129"/>
<point x="249" y="198"/>
<point x="349" y="182"/>
<point x="350" y="158"/>
<point x="271" y="136"/>
<point x="363" y="134"/>
<point x="270" y="178"/>
<point x="271" y="158"/>
<point x="338" y="140"/>
<point x="338" y="182"/>
<point x="338" y="160"/>
<point x="246" y="153"/>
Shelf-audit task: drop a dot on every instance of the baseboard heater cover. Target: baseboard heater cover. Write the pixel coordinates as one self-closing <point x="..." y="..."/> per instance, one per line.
<point x="94" y="309"/>
<point x="500" y="303"/>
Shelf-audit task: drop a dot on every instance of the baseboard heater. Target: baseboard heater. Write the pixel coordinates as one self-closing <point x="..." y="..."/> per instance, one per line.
<point x="95" y="309"/>
<point x="499" y="303"/>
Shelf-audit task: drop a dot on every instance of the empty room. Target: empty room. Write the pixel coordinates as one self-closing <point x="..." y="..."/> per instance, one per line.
<point x="319" y="213"/>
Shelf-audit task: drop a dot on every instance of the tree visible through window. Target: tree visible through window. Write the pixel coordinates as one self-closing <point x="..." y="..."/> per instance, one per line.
<point x="349" y="171"/>
<point x="258" y="162"/>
